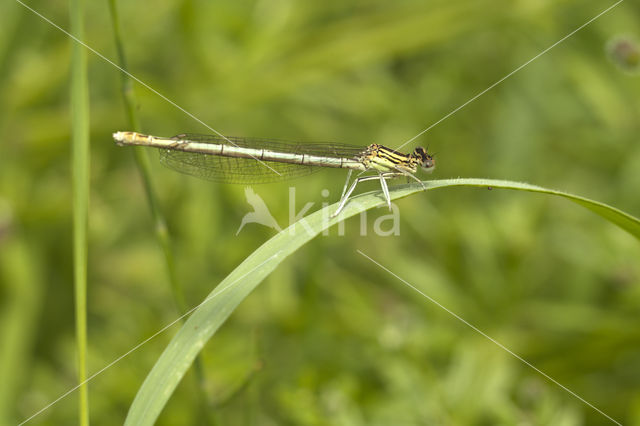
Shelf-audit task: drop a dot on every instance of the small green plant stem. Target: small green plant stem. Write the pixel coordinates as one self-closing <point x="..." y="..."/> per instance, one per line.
<point x="160" y="224"/>
<point x="80" y="158"/>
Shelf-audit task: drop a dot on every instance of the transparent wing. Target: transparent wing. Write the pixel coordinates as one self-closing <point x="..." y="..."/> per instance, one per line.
<point x="232" y="170"/>
<point x="250" y="171"/>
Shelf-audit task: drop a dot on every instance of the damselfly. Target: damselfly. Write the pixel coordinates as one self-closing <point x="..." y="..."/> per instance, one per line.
<point x="251" y="160"/>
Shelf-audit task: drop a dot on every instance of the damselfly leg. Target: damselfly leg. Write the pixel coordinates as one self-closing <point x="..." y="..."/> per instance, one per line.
<point x="409" y="175"/>
<point x="382" y="177"/>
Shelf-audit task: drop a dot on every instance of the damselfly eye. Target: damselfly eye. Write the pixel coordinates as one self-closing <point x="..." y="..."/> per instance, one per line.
<point x="426" y="161"/>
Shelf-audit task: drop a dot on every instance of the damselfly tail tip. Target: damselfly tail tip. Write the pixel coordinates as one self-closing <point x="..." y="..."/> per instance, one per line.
<point x="118" y="137"/>
<point x="126" y="138"/>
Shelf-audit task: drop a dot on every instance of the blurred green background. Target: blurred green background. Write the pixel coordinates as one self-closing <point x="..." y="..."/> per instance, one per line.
<point x="330" y="338"/>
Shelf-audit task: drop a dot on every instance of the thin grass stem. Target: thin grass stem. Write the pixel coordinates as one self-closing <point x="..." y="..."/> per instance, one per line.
<point x="80" y="158"/>
<point x="160" y="224"/>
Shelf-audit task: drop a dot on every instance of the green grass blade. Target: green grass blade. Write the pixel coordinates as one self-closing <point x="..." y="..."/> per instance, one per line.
<point x="624" y="220"/>
<point x="80" y="171"/>
<point x="221" y="302"/>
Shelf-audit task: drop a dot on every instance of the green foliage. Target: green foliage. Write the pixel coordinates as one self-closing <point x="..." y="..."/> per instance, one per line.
<point x="221" y="302"/>
<point x="328" y="337"/>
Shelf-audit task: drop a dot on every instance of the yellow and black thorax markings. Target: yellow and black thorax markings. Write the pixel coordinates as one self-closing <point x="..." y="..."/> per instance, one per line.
<point x="385" y="159"/>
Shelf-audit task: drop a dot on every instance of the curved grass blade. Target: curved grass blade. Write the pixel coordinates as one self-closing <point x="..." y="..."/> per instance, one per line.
<point x="616" y="216"/>
<point x="221" y="302"/>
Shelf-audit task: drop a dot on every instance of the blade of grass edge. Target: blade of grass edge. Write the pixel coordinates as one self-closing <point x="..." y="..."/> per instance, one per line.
<point x="80" y="158"/>
<point x="616" y="216"/>
<point x="222" y="301"/>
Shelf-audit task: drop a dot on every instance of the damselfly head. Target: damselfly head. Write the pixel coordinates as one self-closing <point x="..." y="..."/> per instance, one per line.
<point x="425" y="160"/>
